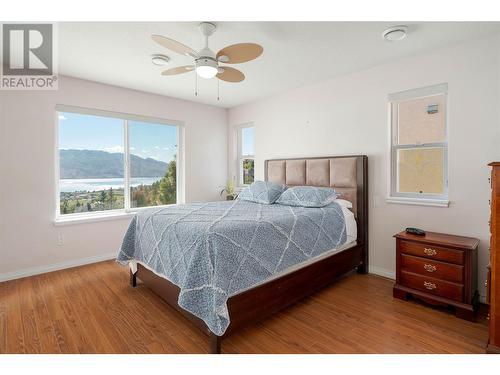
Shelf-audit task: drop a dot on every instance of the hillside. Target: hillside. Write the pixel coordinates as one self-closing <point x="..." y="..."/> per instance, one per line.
<point x="101" y="164"/>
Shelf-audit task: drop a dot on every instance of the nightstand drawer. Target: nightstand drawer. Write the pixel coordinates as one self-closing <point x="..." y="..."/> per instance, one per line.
<point x="432" y="268"/>
<point x="432" y="285"/>
<point x="432" y="252"/>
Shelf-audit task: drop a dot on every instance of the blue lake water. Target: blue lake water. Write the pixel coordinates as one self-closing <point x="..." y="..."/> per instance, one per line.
<point x="95" y="184"/>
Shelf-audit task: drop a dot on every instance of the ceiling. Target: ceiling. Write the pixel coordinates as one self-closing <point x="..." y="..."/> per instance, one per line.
<point x="295" y="53"/>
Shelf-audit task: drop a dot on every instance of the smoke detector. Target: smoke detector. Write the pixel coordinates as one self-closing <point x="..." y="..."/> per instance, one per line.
<point x="159" y="59"/>
<point x="395" y="33"/>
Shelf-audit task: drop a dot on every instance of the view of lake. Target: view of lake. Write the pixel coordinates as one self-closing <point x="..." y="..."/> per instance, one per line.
<point x="96" y="184"/>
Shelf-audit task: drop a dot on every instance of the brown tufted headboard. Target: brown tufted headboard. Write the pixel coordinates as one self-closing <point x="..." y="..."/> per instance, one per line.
<point x="335" y="172"/>
<point x="347" y="174"/>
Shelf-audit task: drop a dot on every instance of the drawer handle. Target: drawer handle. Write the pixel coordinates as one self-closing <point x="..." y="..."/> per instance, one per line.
<point x="429" y="285"/>
<point x="430" y="267"/>
<point x="429" y="251"/>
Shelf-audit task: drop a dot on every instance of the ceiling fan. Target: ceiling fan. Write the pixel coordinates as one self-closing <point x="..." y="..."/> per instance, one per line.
<point x="206" y="62"/>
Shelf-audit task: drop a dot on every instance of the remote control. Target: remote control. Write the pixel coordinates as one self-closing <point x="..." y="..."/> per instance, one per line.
<point x="415" y="231"/>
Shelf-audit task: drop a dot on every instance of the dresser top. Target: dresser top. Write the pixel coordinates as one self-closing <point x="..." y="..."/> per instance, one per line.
<point x="441" y="239"/>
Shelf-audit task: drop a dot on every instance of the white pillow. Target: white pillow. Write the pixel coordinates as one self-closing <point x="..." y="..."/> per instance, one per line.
<point x="343" y="203"/>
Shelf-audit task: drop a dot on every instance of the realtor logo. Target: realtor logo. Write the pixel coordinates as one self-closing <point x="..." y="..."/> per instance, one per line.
<point x="28" y="57"/>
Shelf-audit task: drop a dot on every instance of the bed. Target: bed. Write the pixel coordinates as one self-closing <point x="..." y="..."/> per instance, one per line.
<point x="227" y="264"/>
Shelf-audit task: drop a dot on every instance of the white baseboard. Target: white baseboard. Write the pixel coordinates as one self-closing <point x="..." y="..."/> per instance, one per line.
<point x="99" y="258"/>
<point x="55" y="267"/>
<point x="382" y="272"/>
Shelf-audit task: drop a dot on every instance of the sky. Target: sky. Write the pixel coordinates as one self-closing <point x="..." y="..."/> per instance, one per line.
<point x="85" y="132"/>
<point x="247" y="143"/>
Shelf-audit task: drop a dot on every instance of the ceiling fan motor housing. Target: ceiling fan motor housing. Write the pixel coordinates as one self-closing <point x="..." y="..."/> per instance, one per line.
<point x="207" y="61"/>
<point x="206" y="65"/>
<point x="206" y="52"/>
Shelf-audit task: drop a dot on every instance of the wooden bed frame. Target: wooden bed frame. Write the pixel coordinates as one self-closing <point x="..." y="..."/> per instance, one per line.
<point x="265" y="299"/>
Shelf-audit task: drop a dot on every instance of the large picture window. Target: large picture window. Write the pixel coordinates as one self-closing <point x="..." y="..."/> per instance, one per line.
<point x="419" y="144"/>
<point x="246" y="154"/>
<point x="114" y="162"/>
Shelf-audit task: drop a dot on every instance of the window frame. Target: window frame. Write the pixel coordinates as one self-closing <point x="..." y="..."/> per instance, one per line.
<point x="440" y="200"/>
<point x="239" y="152"/>
<point x="127" y="211"/>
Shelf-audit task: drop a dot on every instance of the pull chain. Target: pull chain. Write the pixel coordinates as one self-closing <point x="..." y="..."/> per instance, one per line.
<point x="196" y="84"/>
<point x="196" y="87"/>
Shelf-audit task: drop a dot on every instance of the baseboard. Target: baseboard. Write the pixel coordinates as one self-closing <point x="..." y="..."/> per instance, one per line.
<point x="382" y="272"/>
<point x="55" y="267"/>
<point x="492" y="349"/>
<point x="99" y="258"/>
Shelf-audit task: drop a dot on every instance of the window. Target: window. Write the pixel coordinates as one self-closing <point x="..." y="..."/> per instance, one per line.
<point x="114" y="163"/>
<point x="153" y="159"/>
<point x="419" y="144"/>
<point x="246" y="158"/>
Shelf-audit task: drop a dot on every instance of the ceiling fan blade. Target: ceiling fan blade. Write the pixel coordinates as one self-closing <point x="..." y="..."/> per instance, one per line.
<point x="174" y="45"/>
<point x="239" y="53"/>
<point x="230" y="74"/>
<point x="177" y="70"/>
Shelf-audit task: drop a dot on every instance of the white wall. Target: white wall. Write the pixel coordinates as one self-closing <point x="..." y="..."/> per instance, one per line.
<point x="348" y="115"/>
<point x="28" y="237"/>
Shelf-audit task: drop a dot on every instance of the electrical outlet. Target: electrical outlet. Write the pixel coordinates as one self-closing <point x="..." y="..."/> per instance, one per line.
<point x="60" y="240"/>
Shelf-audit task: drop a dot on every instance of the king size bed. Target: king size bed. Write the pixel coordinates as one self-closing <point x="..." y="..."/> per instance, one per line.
<point x="226" y="264"/>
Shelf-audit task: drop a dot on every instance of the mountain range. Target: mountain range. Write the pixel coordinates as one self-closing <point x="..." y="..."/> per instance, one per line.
<point x="102" y="164"/>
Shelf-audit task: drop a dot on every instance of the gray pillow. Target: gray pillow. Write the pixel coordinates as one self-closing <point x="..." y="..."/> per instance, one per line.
<point x="262" y="192"/>
<point x="307" y="196"/>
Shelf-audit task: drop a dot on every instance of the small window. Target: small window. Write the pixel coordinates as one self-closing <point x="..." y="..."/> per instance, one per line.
<point x="109" y="163"/>
<point x="419" y="144"/>
<point x="246" y="154"/>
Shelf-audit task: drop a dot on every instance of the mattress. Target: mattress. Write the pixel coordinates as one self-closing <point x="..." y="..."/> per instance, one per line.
<point x="351" y="230"/>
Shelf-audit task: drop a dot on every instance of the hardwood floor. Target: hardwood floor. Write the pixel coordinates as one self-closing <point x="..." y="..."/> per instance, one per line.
<point x="92" y="309"/>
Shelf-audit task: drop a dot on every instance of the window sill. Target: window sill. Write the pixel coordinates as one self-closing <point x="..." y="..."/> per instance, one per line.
<point x="419" y="201"/>
<point x="74" y="220"/>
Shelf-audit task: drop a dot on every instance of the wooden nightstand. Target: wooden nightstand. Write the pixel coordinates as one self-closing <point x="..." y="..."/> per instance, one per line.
<point x="440" y="269"/>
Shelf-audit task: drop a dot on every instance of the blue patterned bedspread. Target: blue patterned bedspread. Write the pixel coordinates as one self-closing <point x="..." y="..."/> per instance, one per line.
<point x="212" y="251"/>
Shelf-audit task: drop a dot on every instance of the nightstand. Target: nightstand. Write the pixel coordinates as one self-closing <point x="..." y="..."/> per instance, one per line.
<point x="440" y="269"/>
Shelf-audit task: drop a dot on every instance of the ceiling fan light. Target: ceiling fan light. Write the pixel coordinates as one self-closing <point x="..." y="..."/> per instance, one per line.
<point x="206" y="68"/>
<point x="206" y="71"/>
